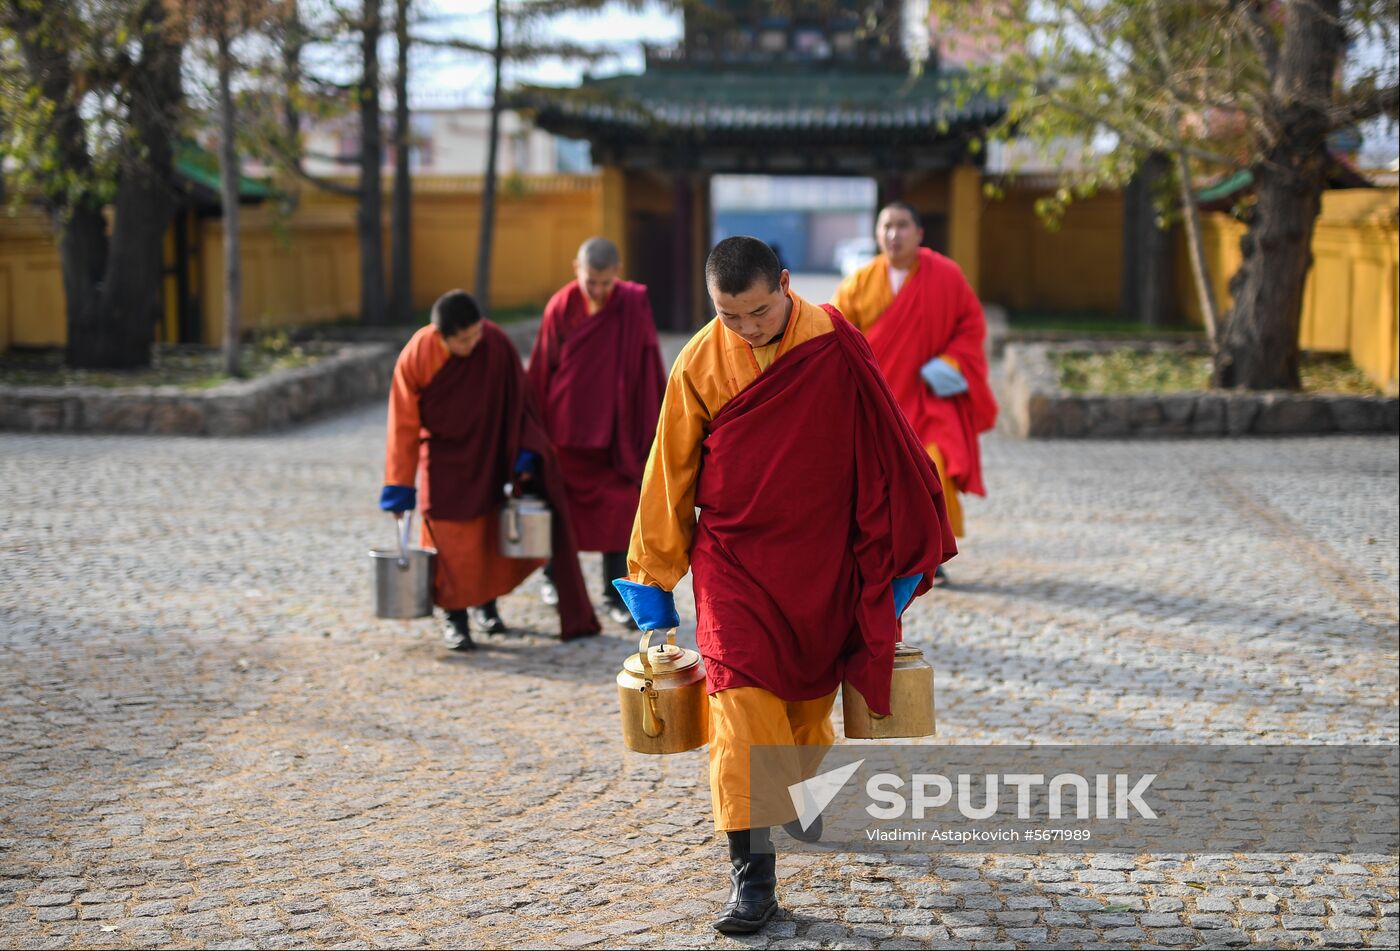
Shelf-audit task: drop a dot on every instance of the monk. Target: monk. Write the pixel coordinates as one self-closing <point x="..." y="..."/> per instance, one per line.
<point x="926" y="328"/>
<point x="596" y="373"/>
<point x="820" y="518"/>
<point x="460" y="411"/>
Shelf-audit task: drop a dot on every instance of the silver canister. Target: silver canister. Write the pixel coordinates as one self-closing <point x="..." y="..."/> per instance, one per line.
<point x="526" y="527"/>
<point x="403" y="576"/>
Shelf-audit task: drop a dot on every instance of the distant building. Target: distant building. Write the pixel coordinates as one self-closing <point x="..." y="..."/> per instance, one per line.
<point x="451" y="140"/>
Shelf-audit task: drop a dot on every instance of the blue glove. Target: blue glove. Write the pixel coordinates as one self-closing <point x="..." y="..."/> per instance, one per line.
<point x="527" y="462"/>
<point x="942" y="378"/>
<point x="904" y="590"/>
<point x="652" y="608"/>
<point x="398" y="498"/>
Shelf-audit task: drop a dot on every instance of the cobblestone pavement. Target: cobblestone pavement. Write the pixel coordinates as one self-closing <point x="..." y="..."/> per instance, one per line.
<point x="208" y="741"/>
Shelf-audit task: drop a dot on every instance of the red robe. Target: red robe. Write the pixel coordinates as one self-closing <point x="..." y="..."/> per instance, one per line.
<point x="815" y="495"/>
<point x="599" y="379"/>
<point x="476" y="414"/>
<point x="934" y="314"/>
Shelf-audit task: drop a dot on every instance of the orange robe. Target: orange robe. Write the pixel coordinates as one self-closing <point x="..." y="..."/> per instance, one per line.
<point x="469" y="570"/>
<point x="952" y="316"/>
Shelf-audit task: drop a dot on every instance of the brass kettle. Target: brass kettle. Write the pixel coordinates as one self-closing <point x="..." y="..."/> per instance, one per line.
<point x="662" y="693"/>
<point x="911" y="701"/>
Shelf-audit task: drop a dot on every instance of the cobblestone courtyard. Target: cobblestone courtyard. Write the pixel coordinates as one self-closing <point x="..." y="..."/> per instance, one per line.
<point x="208" y="740"/>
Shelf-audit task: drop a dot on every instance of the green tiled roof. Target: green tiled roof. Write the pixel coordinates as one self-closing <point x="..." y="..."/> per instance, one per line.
<point x="811" y="104"/>
<point x="201" y="167"/>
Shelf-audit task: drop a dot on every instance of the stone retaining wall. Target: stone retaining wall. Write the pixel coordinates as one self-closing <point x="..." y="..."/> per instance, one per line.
<point x="355" y="372"/>
<point x="1038" y="407"/>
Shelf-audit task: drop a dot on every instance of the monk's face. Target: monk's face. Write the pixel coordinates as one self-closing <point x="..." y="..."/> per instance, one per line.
<point x="758" y="314"/>
<point x="899" y="238"/>
<point x="596" y="284"/>
<point x="464" y="341"/>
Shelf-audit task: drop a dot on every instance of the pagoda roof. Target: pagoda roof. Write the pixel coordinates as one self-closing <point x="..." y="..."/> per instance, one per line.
<point x="820" y="105"/>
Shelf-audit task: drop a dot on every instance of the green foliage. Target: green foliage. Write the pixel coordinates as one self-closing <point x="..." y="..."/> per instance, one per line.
<point x="67" y="81"/>
<point x="1096" y="86"/>
<point x="1136" y="371"/>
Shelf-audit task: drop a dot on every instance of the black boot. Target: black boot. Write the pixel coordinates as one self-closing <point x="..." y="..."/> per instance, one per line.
<point x="754" y="878"/>
<point x="487" y="619"/>
<point x="457" y="634"/>
<point x="813" y="833"/>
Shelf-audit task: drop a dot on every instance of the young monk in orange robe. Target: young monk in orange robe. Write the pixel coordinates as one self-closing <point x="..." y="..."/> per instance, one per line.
<point x="926" y="328"/>
<point x="460" y="410"/>
<point x="820" y="517"/>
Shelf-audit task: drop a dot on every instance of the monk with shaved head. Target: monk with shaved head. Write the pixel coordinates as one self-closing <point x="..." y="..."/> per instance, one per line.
<point x="596" y="372"/>
<point x="926" y="328"/>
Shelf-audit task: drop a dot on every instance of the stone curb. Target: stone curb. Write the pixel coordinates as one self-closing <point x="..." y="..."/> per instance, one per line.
<point x="356" y="372"/>
<point x="1039" y="408"/>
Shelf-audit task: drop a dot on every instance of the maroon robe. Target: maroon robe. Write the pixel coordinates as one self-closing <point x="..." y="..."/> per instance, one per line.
<point x="477" y="415"/>
<point x="815" y="495"/>
<point x="599" y="380"/>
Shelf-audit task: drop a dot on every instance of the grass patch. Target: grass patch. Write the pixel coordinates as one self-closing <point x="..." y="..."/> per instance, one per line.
<point x="1092" y="323"/>
<point x="1133" y="371"/>
<point x="195" y="368"/>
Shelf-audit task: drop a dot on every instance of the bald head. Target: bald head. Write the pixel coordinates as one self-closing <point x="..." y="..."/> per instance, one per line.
<point x="599" y="253"/>
<point x="596" y="269"/>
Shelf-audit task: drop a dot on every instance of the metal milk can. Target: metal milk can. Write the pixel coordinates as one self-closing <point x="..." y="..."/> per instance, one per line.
<point x="403" y="576"/>
<point x="911" y="701"/>
<point x="662" y="693"/>
<point x="526" y="524"/>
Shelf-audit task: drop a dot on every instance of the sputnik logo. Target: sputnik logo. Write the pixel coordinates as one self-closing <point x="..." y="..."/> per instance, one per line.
<point x="813" y="795"/>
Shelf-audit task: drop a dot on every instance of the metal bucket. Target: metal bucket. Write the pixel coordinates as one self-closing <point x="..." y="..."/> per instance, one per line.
<point x="526" y="527"/>
<point x="403" y="576"/>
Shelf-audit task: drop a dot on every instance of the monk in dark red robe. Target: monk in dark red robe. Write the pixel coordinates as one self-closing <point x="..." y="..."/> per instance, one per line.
<point x="820" y="517"/>
<point x="597" y="374"/>
<point x="460" y="412"/>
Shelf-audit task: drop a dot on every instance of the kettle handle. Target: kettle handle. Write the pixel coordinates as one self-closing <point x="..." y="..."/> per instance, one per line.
<point x="652" y="724"/>
<point x="512" y="522"/>
<point x="644" y="646"/>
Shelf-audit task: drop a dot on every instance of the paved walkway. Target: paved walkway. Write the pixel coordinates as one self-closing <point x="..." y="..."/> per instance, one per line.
<point x="208" y="741"/>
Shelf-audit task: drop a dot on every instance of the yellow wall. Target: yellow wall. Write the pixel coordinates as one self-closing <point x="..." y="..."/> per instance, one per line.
<point x="306" y="268"/>
<point x="1349" y="303"/>
<point x="31" y="284"/>
<point x="1024" y="266"/>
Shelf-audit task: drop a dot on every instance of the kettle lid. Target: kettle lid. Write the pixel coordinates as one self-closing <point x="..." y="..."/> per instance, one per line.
<point x="664" y="659"/>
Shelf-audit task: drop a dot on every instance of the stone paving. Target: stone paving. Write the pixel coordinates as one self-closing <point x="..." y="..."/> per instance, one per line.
<point x="208" y="741"/>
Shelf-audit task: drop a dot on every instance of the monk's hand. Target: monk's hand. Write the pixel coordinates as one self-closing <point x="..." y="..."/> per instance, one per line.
<point x="398" y="499"/>
<point x="904" y="592"/>
<point x="652" y="608"/>
<point x="943" y="378"/>
<point x="526" y="472"/>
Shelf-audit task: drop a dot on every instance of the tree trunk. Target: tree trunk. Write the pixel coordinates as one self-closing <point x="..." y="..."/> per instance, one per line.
<point x="228" y="182"/>
<point x="370" y="221"/>
<point x="82" y="250"/>
<point x="488" y="187"/>
<point x="1259" y="343"/>
<point x="1195" y="248"/>
<point x="132" y="296"/>
<point x="401" y="212"/>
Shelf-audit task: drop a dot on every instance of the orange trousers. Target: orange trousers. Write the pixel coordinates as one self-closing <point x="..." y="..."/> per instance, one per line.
<point x="745" y="717"/>
<point x="469" y="569"/>
<point x="950" y="491"/>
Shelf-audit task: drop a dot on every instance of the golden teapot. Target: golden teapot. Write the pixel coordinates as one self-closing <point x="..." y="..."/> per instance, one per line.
<point x="662" y="693"/>
<point x="911" y="701"/>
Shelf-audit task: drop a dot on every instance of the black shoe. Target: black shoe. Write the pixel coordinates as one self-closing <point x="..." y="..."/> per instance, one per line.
<point x="940" y="577"/>
<point x="754" y="881"/>
<point x="486" y="619"/>
<point x="620" y="615"/>
<point x="813" y="833"/>
<point x="457" y="634"/>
